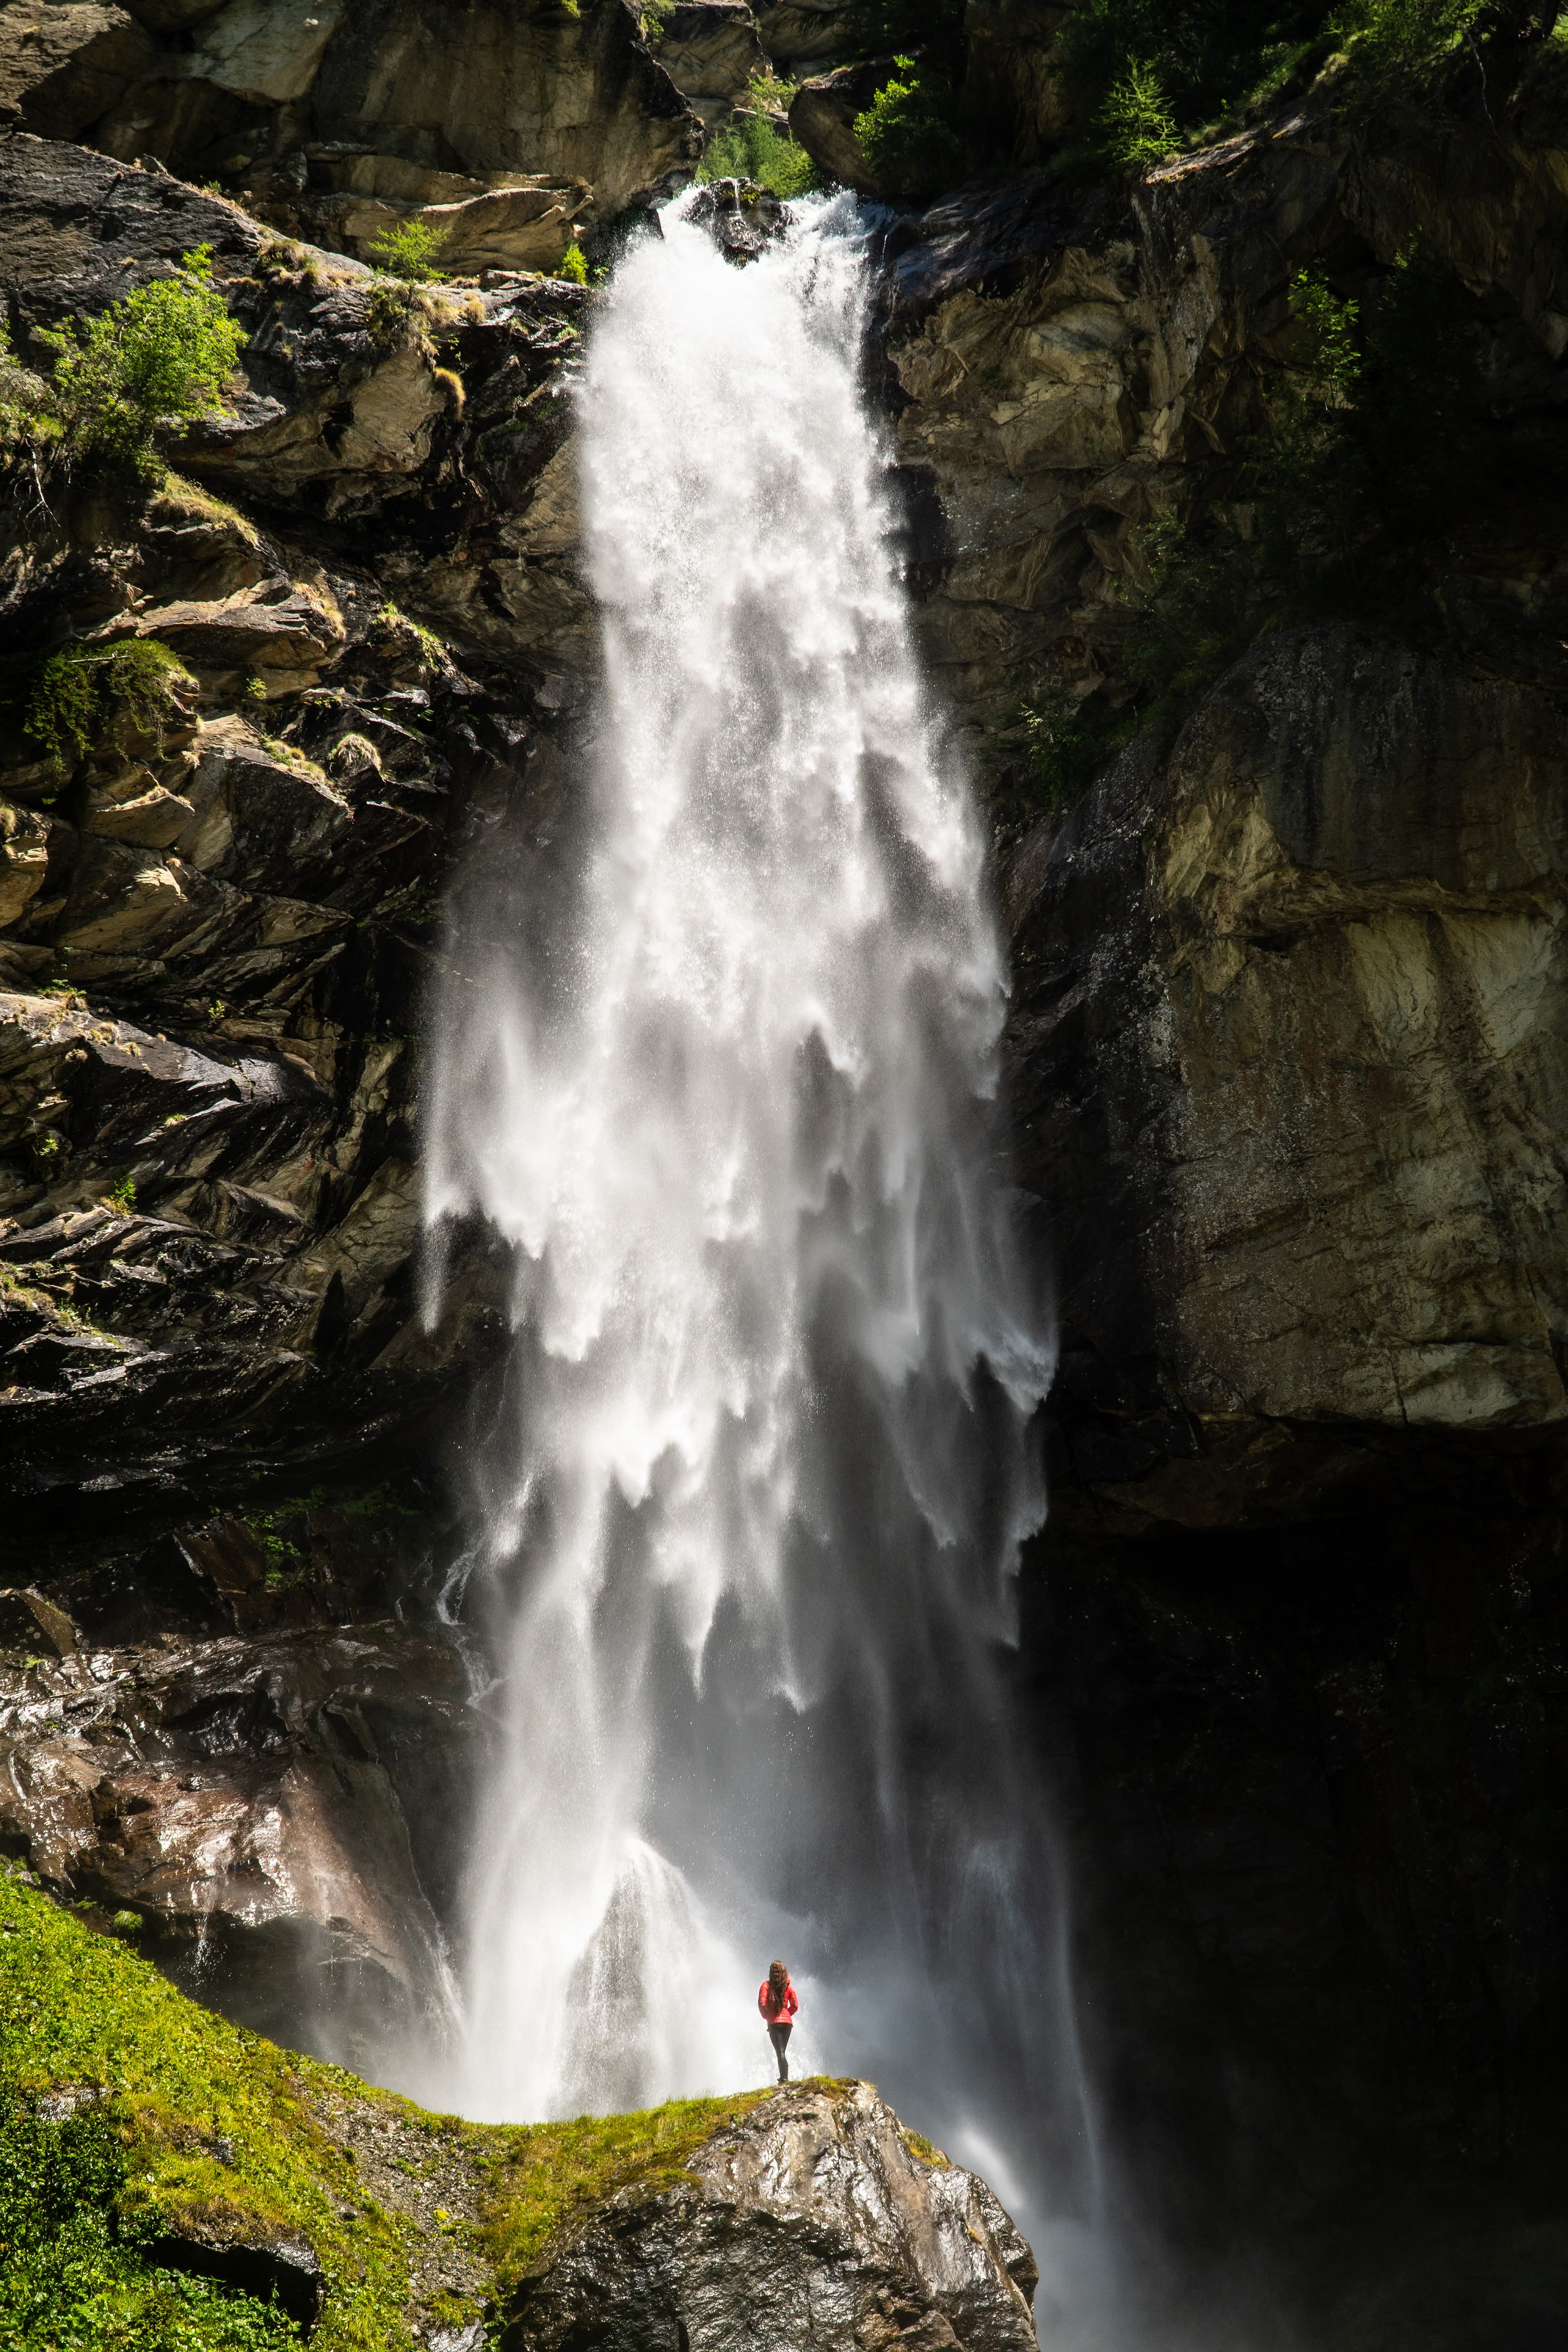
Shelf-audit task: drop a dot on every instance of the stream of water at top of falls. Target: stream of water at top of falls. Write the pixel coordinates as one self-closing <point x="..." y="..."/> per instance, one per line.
<point x="749" y="1496"/>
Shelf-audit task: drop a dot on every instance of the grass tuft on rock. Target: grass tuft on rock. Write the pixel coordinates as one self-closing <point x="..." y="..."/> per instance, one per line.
<point x="543" y="2176"/>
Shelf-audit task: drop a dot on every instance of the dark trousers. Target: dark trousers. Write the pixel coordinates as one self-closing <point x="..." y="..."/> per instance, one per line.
<point x="779" y="2036"/>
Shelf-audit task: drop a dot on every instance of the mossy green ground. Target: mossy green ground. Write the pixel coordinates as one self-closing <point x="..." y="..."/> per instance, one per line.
<point x="206" y="2129"/>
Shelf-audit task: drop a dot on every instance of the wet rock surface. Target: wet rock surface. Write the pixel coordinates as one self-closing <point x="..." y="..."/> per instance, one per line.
<point x="741" y="218"/>
<point x="264" y="1814"/>
<point x="817" y="2219"/>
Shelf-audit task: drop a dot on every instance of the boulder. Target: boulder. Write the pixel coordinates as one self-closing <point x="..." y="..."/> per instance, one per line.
<point x="796" y="33"/>
<point x="710" y="50"/>
<point x="30" y="1623"/>
<point x="256" y="1802"/>
<point x="816" y="2222"/>
<point x="740" y="216"/>
<point x="822" y="116"/>
<point x="513" y="225"/>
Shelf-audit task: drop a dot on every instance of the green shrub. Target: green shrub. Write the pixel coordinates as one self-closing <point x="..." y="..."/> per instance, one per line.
<point x="1396" y="42"/>
<point x="909" y="133"/>
<point x="574" y="266"/>
<point x="1135" y="124"/>
<point x="24" y="396"/>
<point x="80" y="696"/>
<point x="158" y="358"/>
<point x="754" y="148"/>
<point x="408" y="250"/>
<point x="1140" y="74"/>
<point x="1061" y="751"/>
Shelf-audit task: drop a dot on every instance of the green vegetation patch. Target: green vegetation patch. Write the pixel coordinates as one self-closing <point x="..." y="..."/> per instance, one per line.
<point x="180" y="2125"/>
<point x="79" y="697"/>
<point x="200" y="2129"/>
<point x="909" y="133"/>
<point x="155" y="361"/>
<point x="544" y="2176"/>
<point x="754" y="148"/>
<point x="408" y="250"/>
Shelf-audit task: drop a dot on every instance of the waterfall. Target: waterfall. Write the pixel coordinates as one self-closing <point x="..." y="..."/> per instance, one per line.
<point x="749" y="1497"/>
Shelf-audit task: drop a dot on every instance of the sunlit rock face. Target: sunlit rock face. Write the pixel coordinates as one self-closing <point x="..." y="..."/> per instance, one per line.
<point x="264" y="1806"/>
<point x="816" y="2220"/>
<point x="1288" y="992"/>
<point x="1325" y="991"/>
<point x="299" y="102"/>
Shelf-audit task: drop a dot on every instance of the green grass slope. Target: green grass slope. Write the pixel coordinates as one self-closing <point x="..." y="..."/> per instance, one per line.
<point x="200" y="2132"/>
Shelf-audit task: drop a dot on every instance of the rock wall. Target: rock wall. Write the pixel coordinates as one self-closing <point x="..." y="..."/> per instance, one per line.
<point x="335" y="118"/>
<point x="1288" y="1065"/>
<point x="222" y="921"/>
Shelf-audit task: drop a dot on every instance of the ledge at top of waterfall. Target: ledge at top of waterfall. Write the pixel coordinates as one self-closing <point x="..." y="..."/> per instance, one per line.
<point x="814" y="2220"/>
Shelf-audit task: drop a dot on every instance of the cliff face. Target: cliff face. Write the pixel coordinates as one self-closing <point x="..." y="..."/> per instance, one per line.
<point x="1289" y="1068"/>
<point x="1287" y="1053"/>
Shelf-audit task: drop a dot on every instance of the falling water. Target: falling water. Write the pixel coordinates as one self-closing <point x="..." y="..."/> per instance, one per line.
<point x="751" y="1490"/>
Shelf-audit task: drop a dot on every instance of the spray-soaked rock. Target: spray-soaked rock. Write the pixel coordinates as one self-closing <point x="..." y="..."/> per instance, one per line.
<point x="740" y="216"/>
<point x="817" y="2221"/>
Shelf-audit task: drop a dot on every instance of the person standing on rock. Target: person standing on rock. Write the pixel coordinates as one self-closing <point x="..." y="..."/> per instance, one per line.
<point x="778" y="2004"/>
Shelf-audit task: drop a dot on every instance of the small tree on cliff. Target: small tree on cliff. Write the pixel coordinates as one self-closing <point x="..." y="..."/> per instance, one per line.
<point x="157" y="359"/>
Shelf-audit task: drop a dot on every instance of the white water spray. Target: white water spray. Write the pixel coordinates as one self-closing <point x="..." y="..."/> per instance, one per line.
<point x="752" y="1496"/>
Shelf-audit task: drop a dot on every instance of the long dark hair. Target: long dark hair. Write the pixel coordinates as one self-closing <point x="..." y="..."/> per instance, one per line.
<point x="778" y="1978"/>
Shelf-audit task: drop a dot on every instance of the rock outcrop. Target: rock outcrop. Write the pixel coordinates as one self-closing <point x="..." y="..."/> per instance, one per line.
<point x="266" y="1809"/>
<point x="816" y="2219"/>
<point x="222" y="928"/>
<point x="710" y="50"/>
<point x="822" y="116"/>
<point x="322" y="110"/>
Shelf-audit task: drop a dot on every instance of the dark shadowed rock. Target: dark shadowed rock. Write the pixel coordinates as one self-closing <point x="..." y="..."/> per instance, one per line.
<point x="285" y="2270"/>
<point x="815" y="2222"/>
<point x="798" y="32"/>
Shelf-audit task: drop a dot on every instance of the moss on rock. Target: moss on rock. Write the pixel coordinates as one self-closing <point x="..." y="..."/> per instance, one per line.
<point x="139" y="2132"/>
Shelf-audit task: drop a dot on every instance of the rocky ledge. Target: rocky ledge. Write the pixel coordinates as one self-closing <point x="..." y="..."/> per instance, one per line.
<point x="816" y="2219"/>
<point x="805" y="2217"/>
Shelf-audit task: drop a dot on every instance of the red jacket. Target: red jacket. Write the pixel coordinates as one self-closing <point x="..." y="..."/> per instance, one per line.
<point x="787" y="2008"/>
